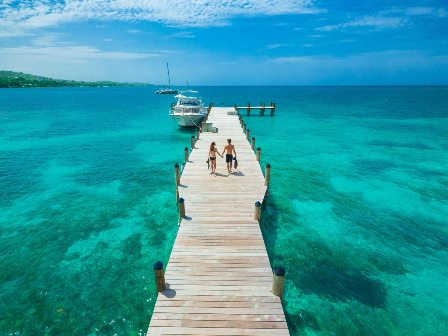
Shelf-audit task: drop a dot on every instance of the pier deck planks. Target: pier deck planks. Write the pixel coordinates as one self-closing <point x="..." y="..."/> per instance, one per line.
<point x="219" y="275"/>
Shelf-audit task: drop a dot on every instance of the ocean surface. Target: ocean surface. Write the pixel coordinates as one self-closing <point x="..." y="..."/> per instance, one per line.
<point x="357" y="211"/>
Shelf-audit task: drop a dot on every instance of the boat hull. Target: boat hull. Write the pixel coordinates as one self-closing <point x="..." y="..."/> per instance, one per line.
<point x="188" y="120"/>
<point x="167" y="91"/>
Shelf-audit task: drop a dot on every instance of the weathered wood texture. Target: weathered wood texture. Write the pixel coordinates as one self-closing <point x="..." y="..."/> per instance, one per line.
<point x="219" y="280"/>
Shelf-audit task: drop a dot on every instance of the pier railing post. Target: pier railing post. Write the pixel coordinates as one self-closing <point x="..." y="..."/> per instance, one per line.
<point x="257" y="212"/>
<point x="176" y="167"/>
<point x="258" y="153"/>
<point x="272" y="109"/>
<point x="252" y="144"/>
<point x="244" y="128"/>
<point x="248" y="109"/>
<point x="248" y="134"/>
<point x="160" y="276"/>
<point x="263" y="106"/>
<point x="278" y="281"/>
<point x="181" y="203"/>
<point x="267" y="176"/>
<point x="186" y="154"/>
<point x="192" y="141"/>
<point x="197" y="133"/>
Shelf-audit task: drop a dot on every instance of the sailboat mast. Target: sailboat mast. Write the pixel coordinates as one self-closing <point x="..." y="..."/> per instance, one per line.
<point x="168" y="70"/>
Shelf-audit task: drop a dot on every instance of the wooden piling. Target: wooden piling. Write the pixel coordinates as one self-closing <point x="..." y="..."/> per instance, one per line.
<point x="186" y="154"/>
<point x="258" y="153"/>
<point x="181" y="203"/>
<point x="160" y="276"/>
<point x="244" y="128"/>
<point x="197" y="133"/>
<point x="252" y="144"/>
<point x="192" y="142"/>
<point x="176" y="167"/>
<point x="272" y="109"/>
<point x="257" y="212"/>
<point x="263" y="106"/>
<point x="267" y="176"/>
<point x="248" y="134"/>
<point x="248" y="109"/>
<point x="278" y="281"/>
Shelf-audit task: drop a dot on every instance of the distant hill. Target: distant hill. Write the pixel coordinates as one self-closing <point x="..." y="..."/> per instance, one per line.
<point x="12" y="79"/>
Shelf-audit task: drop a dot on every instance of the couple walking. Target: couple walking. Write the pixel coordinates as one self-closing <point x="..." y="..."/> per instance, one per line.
<point x="229" y="149"/>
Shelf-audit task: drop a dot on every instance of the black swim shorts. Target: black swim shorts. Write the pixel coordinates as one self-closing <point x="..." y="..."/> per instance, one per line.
<point x="229" y="157"/>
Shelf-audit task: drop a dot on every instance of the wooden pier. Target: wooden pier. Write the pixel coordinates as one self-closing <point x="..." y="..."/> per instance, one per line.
<point x="262" y="108"/>
<point x="219" y="280"/>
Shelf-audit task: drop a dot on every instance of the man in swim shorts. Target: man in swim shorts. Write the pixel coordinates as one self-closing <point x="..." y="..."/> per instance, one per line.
<point x="229" y="149"/>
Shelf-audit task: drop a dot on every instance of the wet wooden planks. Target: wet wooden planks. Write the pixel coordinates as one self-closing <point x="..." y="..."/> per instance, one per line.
<point x="219" y="275"/>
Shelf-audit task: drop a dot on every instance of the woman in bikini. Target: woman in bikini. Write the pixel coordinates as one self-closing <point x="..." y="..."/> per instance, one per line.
<point x="212" y="155"/>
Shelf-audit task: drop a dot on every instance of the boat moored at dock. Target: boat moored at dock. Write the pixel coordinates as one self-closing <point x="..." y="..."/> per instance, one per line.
<point x="188" y="111"/>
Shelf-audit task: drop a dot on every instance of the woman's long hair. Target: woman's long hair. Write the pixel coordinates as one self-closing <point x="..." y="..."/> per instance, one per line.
<point x="212" y="146"/>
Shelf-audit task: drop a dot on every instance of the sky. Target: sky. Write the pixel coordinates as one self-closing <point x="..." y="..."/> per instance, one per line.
<point x="225" y="42"/>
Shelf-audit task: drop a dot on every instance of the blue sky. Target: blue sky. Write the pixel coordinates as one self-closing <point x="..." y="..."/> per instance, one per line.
<point x="224" y="42"/>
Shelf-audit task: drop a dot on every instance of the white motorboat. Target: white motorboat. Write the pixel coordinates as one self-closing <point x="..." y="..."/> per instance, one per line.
<point x="188" y="111"/>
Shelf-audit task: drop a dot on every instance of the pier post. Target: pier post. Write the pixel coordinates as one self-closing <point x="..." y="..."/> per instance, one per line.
<point x="197" y="134"/>
<point x="248" y="109"/>
<point x="272" y="109"/>
<point x="257" y="213"/>
<point x="186" y="154"/>
<point x="181" y="203"/>
<point x="160" y="276"/>
<point x="267" y="176"/>
<point x="192" y="142"/>
<point x="248" y="134"/>
<point x="244" y="128"/>
<point x="278" y="281"/>
<point x="262" y="109"/>
<point x="176" y="167"/>
<point x="258" y="153"/>
<point x="252" y="145"/>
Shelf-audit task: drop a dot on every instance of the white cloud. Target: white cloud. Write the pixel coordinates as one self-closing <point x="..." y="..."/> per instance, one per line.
<point x="70" y="52"/>
<point x="368" y="21"/>
<point x="422" y="11"/>
<point x="419" y="10"/>
<point x="393" y="60"/>
<point x="28" y="15"/>
<point x="278" y="45"/>
<point x="184" y="34"/>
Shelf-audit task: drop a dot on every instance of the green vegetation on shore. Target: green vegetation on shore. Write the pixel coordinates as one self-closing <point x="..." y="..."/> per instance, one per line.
<point x="12" y="79"/>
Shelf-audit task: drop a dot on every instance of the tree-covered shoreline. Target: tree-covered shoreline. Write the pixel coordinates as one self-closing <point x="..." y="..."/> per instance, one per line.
<point x="12" y="79"/>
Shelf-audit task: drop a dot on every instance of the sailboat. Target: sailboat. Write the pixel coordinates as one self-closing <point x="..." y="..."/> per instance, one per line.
<point x="167" y="90"/>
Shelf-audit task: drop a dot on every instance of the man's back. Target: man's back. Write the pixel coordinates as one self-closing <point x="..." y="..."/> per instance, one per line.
<point x="229" y="149"/>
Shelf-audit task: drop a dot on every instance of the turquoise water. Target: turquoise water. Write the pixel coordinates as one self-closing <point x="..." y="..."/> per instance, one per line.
<point x="357" y="210"/>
